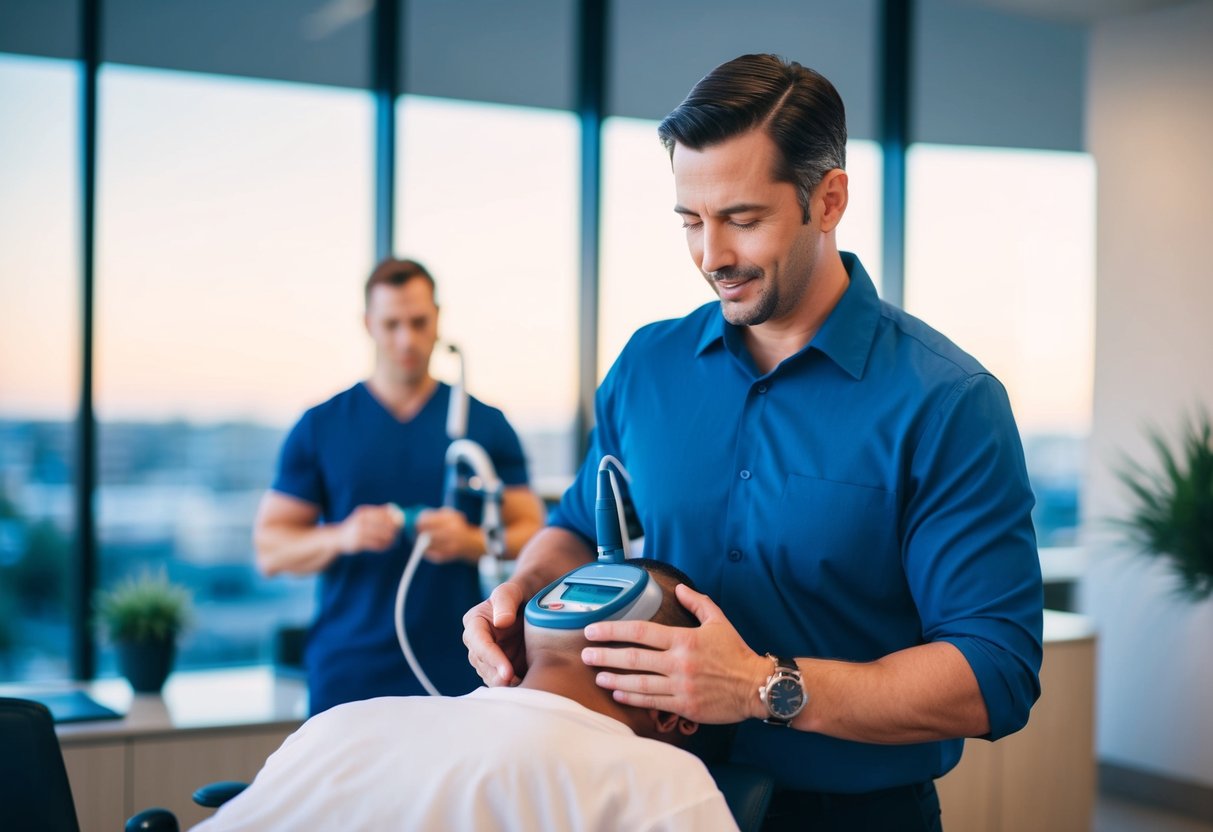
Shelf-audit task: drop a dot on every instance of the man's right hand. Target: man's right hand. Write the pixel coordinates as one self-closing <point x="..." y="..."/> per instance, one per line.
<point x="492" y="631"/>
<point x="368" y="529"/>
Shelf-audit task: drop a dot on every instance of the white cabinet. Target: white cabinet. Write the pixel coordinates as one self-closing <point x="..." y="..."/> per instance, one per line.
<point x="219" y="725"/>
<point x="1042" y="778"/>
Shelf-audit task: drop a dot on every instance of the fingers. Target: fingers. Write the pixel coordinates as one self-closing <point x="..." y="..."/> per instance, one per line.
<point x="627" y="658"/>
<point x="645" y="701"/>
<point x="426" y="520"/>
<point x="378" y="537"/>
<point x="493" y="636"/>
<point x="434" y="519"/>
<point x="638" y="683"/>
<point x="646" y="633"/>
<point x="505" y="602"/>
<point x="489" y="660"/>
<point x="369" y="529"/>
<point x="642" y="690"/>
<point x="451" y="537"/>
<point x="698" y="604"/>
<point x="484" y="654"/>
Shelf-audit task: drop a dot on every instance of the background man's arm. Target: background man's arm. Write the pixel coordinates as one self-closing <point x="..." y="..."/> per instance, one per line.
<point x="522" y="513"/>
<point x="288" y="537"/>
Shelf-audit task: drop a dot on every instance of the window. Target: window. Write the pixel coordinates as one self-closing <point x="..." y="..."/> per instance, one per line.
<point x="39" y="362"/>
<point x="488" y="202"/>
<point x="1001" y="259"/>
<point x="234" y="236"/>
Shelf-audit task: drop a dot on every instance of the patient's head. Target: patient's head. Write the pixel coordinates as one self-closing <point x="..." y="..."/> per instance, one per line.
<point x="554" y="661"/>
<point x="545" y="642"/>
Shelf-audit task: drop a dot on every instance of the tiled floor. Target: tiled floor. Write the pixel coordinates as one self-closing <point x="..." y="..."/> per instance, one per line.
<point x="1115" y="815"/>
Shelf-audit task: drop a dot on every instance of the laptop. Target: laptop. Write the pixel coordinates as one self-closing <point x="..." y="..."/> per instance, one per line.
<point x="73" y="706"/>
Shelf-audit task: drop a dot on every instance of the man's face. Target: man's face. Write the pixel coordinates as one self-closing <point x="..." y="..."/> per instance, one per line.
<point x="403" y="323"/>
<point x="745" y="231"/>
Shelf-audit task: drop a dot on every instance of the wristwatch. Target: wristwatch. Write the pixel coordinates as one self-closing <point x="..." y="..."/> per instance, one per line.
<point x="783" y="693"/>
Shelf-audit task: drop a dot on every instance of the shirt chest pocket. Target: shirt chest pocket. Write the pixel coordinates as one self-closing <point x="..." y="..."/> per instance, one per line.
<point x="835" y="537"/>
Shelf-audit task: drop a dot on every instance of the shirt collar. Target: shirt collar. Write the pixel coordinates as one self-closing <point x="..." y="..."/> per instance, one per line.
<point x="847" y="334"/>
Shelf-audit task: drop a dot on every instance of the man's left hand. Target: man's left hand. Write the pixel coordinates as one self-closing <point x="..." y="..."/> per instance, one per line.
<point x="707" y="674"/>
<point x="451" y="536"/>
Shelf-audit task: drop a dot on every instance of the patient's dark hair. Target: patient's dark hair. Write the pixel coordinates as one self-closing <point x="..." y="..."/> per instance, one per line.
<point x="671" y="612"/>
<point x="798" y="108"/>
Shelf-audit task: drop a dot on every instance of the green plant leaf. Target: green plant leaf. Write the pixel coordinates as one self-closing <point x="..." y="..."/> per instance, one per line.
<point x="144" y="608"/>
<point x="1171" y="515"/>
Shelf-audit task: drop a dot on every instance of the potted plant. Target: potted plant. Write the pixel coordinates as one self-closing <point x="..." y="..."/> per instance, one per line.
<point x="1172" y="511"/>
<point x="142" y="617"/>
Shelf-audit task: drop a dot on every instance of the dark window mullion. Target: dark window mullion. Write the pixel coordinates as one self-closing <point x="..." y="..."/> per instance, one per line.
<point x="385" y="78"/>
<point x="896" y="38"/>
<point x="83" y="583"/>
<point x="591" y="102"/>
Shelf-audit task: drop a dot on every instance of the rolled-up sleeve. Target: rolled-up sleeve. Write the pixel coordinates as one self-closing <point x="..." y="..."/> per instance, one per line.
<point x="969" y="547"/>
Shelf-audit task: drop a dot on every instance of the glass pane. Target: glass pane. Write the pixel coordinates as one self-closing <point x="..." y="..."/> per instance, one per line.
<point x="1001" y="259"/>
<point x="647" y="274"/>
<point x="496" y="223"/>
<point x="234" y="236"/>
<point x="860" y="229"/>
<point x="645" y="271"/>
<point x="39" y="362"/>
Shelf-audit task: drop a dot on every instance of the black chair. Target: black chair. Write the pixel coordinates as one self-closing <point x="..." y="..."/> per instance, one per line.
<point x="34" y="792"/>
<point x="747" y="791"/>
<point x="35" y="795"/>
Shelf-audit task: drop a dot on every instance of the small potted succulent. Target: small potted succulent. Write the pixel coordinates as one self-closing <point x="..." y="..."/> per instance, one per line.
<point x="142" y="617"/>
<point x="1172" y="512"/>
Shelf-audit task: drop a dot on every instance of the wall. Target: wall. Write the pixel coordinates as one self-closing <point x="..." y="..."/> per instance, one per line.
<point x="1149" y="122"/>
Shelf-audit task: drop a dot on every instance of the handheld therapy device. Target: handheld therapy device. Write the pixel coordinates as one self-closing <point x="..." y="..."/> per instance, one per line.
<point x="610" y="589"/>
<point x="461" y="453"/>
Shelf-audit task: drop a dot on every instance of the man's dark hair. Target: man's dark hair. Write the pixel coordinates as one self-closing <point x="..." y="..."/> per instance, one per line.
<point x="798" y="108"/>
<point x="393" y="272"/>
<point x="671" y="612"/>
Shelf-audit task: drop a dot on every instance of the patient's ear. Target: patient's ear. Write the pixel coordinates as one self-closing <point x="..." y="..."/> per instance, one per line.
<point x="665" y="722"/>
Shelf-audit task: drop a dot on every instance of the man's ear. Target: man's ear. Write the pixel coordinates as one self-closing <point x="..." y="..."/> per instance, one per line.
<point x="832" y="191"/>
<point x="665" y="722"/>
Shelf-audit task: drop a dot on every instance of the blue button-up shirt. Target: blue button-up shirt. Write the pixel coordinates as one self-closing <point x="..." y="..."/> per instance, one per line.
<point x="867" y="495"/>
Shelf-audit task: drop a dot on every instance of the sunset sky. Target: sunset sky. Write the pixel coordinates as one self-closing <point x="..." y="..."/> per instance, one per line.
<point x="234" y="233"/>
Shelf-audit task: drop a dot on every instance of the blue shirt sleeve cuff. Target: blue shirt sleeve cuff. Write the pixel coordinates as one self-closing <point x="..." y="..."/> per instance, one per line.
<point x="1009" y="691"/>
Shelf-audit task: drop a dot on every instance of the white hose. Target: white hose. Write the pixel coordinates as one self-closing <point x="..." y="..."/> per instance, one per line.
<point x="423" y="543"/>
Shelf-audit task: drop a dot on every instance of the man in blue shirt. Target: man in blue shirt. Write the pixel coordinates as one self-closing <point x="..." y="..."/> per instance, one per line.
<point x="329" y="511"/>
<point x="844" y="481"/>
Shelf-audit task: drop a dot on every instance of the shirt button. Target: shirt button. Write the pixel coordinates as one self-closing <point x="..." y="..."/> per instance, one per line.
<point x="762" y="388"/>
<point x="735" y="555"/>
<point x="745" y="475"/>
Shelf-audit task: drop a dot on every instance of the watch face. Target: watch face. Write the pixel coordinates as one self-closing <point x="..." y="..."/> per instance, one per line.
<point x="785" y="698"/>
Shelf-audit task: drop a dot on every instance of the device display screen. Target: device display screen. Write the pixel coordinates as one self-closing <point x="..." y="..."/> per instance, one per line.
<point x="590" y="593"/>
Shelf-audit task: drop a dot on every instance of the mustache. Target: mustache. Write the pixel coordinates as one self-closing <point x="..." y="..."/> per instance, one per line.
<point x="734" y="273"/>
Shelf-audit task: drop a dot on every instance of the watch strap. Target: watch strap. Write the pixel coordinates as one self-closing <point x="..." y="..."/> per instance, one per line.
<point x="787" y="664"/>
